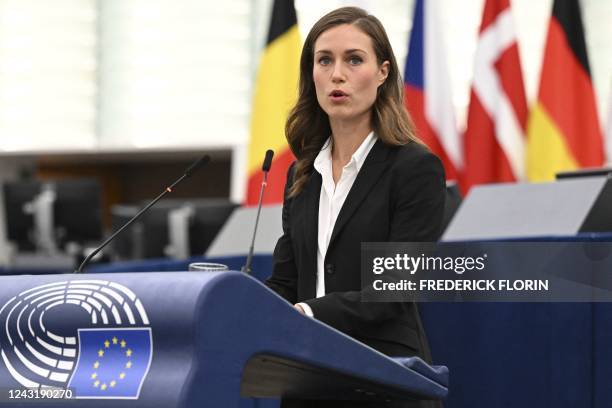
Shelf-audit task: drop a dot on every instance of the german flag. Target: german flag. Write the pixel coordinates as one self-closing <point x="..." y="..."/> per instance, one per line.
<point x="563" y="130"/>
<point x="275" y="95"/>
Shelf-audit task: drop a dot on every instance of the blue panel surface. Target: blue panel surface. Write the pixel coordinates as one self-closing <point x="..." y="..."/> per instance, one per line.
<point x="174" y="339"/>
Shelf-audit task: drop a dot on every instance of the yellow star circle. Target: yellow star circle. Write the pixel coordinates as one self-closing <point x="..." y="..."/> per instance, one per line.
<point x="110" y="344"/>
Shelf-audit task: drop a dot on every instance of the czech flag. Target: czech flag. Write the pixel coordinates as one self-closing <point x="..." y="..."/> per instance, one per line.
<point x="427" y="89"/>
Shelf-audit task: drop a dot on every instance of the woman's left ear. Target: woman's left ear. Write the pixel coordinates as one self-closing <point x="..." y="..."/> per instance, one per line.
<point x="383" y="72"/>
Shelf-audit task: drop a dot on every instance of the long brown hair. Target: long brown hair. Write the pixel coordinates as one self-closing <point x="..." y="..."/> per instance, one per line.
<point x="308" y="127"/>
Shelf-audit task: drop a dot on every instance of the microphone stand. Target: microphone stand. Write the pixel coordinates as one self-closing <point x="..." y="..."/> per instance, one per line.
<point x="195" y="166"/>
<point x="267" y="164"/>
<point x="247" y="267"/>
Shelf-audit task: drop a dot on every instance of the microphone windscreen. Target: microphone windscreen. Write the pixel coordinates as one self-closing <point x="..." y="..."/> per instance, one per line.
<point x="197" y="164"/>
<point x="268" y="160"/>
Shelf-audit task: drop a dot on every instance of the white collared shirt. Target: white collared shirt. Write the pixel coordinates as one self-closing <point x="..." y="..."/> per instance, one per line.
<point x="332" y="198"/>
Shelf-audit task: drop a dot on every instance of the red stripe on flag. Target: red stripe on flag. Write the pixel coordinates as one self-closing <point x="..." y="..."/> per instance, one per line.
<point x="491" y="11"/>
<point x="276" y="180"/>
<point x="511" y="77"/>
<point x="415" y="101"/>
<point x="485" y="160"/>
<point x="566" y="92"/>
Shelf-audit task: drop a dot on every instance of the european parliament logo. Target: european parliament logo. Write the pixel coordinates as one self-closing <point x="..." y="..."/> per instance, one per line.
<point x="106" y="355"/>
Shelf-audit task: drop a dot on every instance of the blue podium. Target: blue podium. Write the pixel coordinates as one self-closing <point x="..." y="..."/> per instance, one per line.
<point x="182" y="339"/>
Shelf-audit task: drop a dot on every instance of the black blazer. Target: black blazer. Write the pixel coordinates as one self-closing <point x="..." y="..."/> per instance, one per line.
<point x="398" y="195"/>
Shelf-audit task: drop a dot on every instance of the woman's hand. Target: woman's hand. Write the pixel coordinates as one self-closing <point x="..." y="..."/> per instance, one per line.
<point x="299" y="308"/>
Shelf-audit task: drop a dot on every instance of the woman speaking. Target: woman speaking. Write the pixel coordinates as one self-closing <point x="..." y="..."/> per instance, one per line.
<point x="361" y="175"/>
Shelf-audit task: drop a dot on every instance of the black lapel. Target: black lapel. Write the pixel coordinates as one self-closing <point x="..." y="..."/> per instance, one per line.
<point x="308" y="210"/>
<point x="373" y="167"/>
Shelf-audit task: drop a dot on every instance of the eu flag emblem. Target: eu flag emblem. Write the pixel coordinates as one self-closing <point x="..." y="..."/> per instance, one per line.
<point x="112" y="363"/>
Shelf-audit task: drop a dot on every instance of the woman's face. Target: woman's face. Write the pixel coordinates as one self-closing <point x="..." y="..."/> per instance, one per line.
<point x="346" y="73"/>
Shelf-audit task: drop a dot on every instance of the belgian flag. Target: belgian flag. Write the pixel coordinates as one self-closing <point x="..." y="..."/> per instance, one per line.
<point x="564" y="131"/>
<point x="275" y="94"/>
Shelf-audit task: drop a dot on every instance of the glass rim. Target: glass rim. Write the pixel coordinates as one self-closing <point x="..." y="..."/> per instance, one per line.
<point x="210" y="266"/>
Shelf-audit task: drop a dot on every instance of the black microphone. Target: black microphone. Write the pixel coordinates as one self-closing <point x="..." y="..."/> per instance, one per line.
<point x="190" y="170"/>
<point x="267" y="164"/>
<point x="267" y="161"/>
